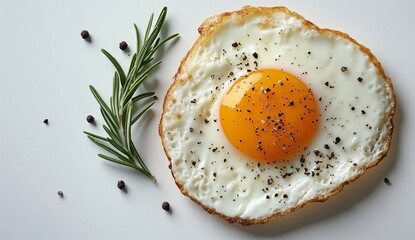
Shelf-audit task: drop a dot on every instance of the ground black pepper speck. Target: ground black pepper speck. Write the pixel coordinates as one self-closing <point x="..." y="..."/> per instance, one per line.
<point x="46" y="121"/>
<point x="60" y="193"/>
<point x="387" y="181"/>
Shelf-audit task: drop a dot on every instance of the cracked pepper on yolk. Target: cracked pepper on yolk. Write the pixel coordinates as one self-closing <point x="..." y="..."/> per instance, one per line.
<point x="269" y="115"/>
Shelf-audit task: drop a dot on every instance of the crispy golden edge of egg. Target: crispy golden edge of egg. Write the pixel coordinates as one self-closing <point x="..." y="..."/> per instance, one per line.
<point x="208" y="27"/>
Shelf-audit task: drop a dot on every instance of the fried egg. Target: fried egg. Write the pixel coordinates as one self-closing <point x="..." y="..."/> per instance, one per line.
<point x="268" y="112"/>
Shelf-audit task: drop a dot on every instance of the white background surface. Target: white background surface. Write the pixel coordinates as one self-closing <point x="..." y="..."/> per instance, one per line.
<point x="45" y="70"/>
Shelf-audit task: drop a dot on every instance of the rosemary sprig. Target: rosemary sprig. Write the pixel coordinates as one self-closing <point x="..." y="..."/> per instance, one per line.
<point x="121" y="113"/>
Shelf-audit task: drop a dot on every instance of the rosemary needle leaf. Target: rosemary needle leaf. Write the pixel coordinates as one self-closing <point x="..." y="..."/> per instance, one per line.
<point x="141" y="96"/>
<point x="95" y="136"/>
<point x="108" y="149"/>
<point x="140" y="160"/>
<point x="118" y="115"/>
<point x="111" y="124"/>
<point x="150" y="23"/>
<point x="111" y="141"/>
<point x="120" y="148"/>
<point x="157" y="46"/>
<point x="127" y="96"/>
<point x="116" y="94"/>
<point x="156" y="42"/>
<point x="116" y="65"/>
<point x="131" y="76"/>
<point x="112" y="134"/>
<point x="142" y="113"/>
<point x="147" y="60"/>
<point x="101" y="102"/>
<point x="137" y="37"/>
<point x="128" y="164"/>
<point x="139" y="80"/>
<point x="132" y="63"/>
<point x="127" y="126"/>
<point x="112" y="104"/>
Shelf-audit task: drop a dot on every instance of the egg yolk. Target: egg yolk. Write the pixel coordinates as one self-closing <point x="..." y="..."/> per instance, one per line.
<point x="269" y="115"/>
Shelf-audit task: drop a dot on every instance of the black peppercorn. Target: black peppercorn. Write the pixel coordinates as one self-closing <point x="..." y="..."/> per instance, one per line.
<point x="121" y="184"/>
<point x="85" y="34"/>
<point x="123" y="45"/>
<point x="46" y="121"/>
<point x="343" y="69"/>
<point x="90" y="119"/>
<point x="165" y="206"/>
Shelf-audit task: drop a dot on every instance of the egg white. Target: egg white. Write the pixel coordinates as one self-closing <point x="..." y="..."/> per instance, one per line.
<point x="212" y="172"/>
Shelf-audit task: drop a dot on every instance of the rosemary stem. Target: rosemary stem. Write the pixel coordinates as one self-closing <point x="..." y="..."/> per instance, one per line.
<point x="118" y="114"/>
